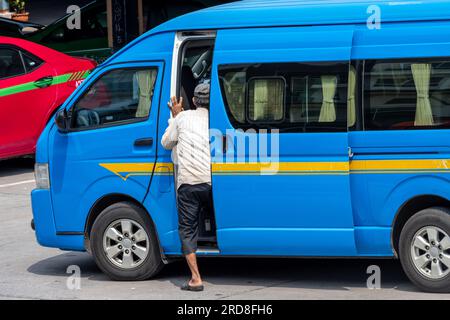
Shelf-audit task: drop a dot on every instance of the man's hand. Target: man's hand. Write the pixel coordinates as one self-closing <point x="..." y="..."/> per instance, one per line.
<point x="176" y="106"/>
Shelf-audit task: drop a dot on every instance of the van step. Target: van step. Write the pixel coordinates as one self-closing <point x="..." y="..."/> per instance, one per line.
<point x="207" y="251"/>
<point x="207" y="239"/>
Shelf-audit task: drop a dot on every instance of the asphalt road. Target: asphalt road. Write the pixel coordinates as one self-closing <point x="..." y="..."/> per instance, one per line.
<point x="29" y="271"/>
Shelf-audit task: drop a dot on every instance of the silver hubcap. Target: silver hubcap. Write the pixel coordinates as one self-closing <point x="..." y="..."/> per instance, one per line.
<point x="125" y="243"/>
<point x="430" y="252"/>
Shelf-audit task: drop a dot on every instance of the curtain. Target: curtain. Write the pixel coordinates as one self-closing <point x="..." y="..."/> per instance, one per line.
<point x="351" y="103"/>
<point x="268" y="96"/>
<point x="328" y="110"/>
<point x="261" y="99"/>
<point x="276" y="99"/>
<point x="422" y="74"/>
<point x="146" y="80"/>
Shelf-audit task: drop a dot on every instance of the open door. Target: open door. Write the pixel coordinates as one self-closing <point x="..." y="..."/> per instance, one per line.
<point x="294" y="80"/>
<point x="194" y="61"/>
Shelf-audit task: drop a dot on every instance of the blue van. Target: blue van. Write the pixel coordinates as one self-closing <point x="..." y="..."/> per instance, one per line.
<point x="357" y="94"/>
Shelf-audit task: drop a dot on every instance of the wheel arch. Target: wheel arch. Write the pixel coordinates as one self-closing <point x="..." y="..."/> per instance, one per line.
<point x="104" y="202"/>
<point x="408" y="209"/>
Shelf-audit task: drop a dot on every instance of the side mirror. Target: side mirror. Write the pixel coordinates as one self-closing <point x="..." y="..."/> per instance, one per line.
<point x="62" y="120"/>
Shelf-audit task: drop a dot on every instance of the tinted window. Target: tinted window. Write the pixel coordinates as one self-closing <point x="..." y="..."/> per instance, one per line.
<point x="93" y="25"/>
<point x="298" y="97"/>
<point x="31" y="63"/>
<point x="10" y="63"/>
<point x="407" y="95"/>
<point x="119" y="95"/>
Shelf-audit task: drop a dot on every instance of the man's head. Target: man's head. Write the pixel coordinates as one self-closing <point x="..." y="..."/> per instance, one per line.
<point x="201" y="96"/>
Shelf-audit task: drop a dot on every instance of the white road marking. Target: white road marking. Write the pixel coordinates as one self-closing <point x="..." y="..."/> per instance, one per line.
<point x="16" y="183"/>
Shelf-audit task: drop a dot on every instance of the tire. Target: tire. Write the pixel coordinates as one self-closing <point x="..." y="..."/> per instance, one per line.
<point x="114" y="220"/>
<point x="416" y="236"/>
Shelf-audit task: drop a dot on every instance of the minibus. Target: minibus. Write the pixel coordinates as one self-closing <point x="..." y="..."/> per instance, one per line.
<point x="353" y="95"/>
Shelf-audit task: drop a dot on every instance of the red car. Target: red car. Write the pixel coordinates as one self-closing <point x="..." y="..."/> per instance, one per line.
<point x="34" y="82"/>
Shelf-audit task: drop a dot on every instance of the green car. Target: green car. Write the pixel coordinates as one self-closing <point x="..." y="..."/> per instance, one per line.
<point x="91" y="40"/>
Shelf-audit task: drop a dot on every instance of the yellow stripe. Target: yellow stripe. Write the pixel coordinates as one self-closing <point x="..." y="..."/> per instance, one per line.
<point x="125" y="170"/>
<point x="406" y="164"/>
<point x="285" y="167"/>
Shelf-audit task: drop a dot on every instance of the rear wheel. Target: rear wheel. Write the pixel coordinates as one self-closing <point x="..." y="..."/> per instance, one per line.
<point x="124" y="243"/>
<point x="425" y="249"/>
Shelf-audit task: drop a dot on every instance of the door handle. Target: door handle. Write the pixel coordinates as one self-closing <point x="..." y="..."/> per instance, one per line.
<point x="44" y="82"/>
<point x="144" y="142"/>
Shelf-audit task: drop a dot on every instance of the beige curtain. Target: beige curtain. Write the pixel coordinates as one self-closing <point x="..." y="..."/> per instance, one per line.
<point x="146" y="80"/>
<point x="351" y="102"/>
<point x="328" y="110"/>
<point x="261" y="99"/>
<point x="422" y="74"/>
<point x="268" y="99"/>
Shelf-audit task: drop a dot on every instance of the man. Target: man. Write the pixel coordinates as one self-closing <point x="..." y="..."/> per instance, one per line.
<point x="188" y="137"/>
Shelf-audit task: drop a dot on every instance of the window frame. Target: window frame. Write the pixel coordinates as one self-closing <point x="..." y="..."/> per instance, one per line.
<point x="70" y="111"/>
<point x="365" y="98"/>
<point x="359" y="95"/>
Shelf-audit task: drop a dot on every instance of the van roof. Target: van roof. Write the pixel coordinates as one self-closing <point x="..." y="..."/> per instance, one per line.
<point x="278" y="13"/>
<point x="263" y="13"/>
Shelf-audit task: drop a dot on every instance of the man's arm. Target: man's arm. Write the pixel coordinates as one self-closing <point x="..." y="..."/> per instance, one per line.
<point x="170" y="137"/>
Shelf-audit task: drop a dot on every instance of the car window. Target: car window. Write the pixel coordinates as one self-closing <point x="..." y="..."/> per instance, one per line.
<point x="93" y="25"/>
<point x="31" y="63"/>
<point x="11" y="64"/>
<point x="118" y="96"/>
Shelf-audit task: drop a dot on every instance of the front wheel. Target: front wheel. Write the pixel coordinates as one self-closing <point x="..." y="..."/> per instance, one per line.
<point x="425" y="249"/>
<point x="124" y="243"/>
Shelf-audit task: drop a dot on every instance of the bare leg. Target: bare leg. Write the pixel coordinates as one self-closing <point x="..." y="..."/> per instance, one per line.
<point x="196" y="280"/>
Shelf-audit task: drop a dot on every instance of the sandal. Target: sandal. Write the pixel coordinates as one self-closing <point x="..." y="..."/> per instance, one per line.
<point x="188" y="287"/>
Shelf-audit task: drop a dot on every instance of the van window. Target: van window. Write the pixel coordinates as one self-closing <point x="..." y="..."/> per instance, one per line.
<point x="292" y="97"/>
<point x="407" y="95"/>
<point x="116" y="97"/>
